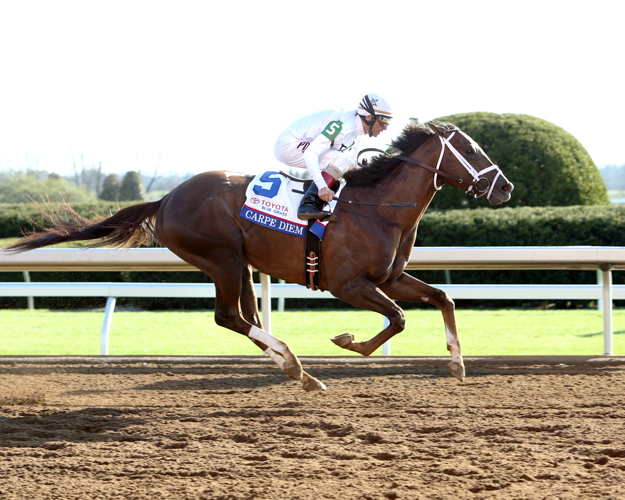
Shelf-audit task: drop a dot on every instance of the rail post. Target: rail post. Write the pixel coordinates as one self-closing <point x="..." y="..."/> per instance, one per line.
<point x="106" y="325"/>
<point x="386" y="347"/>
<point x="608" y="348"/>
<point x="31" y="300"/>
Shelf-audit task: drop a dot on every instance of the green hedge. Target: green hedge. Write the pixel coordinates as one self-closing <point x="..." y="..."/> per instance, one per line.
<point x="527" y="226"/>
<point x="546" y="164"/>
<point x="538" y="226"/>
<point x="524" y="226"/>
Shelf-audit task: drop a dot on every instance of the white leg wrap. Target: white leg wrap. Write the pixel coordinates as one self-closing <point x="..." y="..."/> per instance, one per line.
<point x="279" y="360"/>
<point x="267" y="339"/>
<point x="454" y="347"/>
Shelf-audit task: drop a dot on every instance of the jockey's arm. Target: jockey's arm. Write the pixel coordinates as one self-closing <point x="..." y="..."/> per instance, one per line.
<point x="311" y="156"/>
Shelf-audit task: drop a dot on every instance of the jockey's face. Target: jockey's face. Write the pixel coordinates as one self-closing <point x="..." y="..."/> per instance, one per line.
<point x="378" y="127"/>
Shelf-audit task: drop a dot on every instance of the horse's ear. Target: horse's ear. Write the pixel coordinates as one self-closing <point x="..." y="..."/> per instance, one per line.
<point x="436" y="129"/>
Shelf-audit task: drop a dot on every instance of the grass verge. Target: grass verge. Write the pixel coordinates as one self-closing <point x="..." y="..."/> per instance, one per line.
<point x="482" y="332"/>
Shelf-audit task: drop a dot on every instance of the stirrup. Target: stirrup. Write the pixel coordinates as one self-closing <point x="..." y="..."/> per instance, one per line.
<point x="308" y="212"/>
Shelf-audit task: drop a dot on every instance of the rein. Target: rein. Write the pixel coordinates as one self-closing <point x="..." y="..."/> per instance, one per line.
<point x="479" y="183"/>
<point x="415" y="162"/>
<point x="375" y="204"/>
<point x="342" y="200"/>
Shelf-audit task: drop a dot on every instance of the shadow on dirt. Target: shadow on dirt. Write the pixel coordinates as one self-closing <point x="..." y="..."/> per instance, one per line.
<point x="232" y="379"/>
<point x="53" y="430"/>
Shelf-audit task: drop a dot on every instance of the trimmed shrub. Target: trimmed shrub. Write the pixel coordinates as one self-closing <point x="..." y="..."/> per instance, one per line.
<point x="132" y="187"/>
<point x="110" y="188"/>
<point x="546" y="164"/>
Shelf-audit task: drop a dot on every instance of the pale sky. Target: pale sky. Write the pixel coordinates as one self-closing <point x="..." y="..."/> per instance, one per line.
<point x="194" y="86"/>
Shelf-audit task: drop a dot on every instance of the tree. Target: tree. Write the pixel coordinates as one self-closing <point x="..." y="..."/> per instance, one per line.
<point x="90" y="177"/>
<point x="16" y="187"/>
<point x="110" y="188"/>
<point x="132" y="187"/>
<point x="546" y="164"/>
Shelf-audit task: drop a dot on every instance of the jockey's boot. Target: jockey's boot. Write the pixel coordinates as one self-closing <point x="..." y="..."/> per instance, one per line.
<point x="312" y="206"/>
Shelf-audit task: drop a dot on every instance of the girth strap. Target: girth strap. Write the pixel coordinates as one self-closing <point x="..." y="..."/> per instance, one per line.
<point x="313" y="259"/>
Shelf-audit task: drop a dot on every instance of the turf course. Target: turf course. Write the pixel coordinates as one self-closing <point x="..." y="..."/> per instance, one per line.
<point x="482" y="332"/>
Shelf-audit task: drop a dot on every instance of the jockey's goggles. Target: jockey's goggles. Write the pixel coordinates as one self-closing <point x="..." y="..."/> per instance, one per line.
<point x="384" y="120"/>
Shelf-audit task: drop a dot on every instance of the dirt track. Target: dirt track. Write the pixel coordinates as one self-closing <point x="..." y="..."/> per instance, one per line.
<point x="223" y="431"/>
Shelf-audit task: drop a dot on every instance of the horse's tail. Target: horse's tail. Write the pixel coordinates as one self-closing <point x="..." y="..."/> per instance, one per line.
<point x="129" y="227"/>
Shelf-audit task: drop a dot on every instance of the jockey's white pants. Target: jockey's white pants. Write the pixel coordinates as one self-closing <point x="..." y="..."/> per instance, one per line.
<point x="290" y="151"/>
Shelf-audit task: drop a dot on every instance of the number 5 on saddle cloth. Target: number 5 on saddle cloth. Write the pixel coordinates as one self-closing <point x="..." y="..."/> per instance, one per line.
<point x="272" y="200"/>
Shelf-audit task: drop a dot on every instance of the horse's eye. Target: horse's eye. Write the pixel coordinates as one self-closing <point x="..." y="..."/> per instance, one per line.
<point x="470" y="151"/>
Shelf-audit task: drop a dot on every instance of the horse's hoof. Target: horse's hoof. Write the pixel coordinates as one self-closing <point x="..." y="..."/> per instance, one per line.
<point x="343" y="340"/>
<point x="294" y="371"/>
<point x="311" y="384"/>
<point x="457" y="370"/>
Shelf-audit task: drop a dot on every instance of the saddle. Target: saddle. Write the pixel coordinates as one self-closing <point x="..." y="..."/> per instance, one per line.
<point x="272" y="201"/>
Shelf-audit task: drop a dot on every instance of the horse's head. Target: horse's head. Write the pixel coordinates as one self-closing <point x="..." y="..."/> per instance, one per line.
<point x="466" y="161"/>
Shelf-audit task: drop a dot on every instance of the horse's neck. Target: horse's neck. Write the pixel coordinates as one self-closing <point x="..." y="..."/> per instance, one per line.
<point x="410" y="183"/>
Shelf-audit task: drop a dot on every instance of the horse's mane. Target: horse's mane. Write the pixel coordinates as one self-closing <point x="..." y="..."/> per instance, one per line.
<point x="381" y="166"/>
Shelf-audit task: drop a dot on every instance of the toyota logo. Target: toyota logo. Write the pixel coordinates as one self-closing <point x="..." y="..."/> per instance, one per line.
<point x="255" y="200"/>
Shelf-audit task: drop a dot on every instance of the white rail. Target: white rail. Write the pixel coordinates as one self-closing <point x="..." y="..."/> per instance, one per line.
<point x="161" y="259"/>
<point x="604" y="259"/>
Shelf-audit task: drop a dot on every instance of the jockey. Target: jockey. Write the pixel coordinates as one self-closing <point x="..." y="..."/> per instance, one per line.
<point x="327" y="144"/>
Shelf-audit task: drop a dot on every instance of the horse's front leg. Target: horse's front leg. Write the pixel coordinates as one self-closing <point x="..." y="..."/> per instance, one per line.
<point x="364" y="294"/>
<point x="281" y="354"/>
<point x="405" y="287"/>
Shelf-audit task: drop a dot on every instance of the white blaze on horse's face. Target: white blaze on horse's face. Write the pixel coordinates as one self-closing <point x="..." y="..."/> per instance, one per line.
<point x="487" y="178"/>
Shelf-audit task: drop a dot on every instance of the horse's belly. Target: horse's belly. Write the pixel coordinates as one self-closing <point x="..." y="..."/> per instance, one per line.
<point x="274" y="253"/>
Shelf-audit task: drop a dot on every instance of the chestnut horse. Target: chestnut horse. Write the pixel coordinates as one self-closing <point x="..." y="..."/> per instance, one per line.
<point x="364" y="252"/>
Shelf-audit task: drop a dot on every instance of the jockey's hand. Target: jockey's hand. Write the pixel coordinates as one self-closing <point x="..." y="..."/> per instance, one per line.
<point x="326" y="194"/>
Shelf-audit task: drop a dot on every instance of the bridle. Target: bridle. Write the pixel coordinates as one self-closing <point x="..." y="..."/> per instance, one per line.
<point x="478" y="178"/>
<point x="478" y="187"/>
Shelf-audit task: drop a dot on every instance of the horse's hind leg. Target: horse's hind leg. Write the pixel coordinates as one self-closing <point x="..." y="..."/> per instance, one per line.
<point x="228" y="312"/>
<point x="249" y="304"/>
<point x="405" y="287"/>
<point x="249" y="309"/>
<point x="364" y="294"/>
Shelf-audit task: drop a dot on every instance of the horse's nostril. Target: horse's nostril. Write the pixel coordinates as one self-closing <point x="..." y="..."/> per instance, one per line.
<point x="505" y="187"/>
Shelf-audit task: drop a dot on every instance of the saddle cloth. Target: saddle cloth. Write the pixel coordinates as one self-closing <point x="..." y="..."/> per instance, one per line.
<point x="272" y="200"/>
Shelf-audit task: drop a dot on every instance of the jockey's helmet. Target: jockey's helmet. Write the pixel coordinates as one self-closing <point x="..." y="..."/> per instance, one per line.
<point x="375" y="106"/>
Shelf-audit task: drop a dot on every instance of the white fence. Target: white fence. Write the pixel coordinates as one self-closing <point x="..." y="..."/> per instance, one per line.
<point x="601" y="259"/>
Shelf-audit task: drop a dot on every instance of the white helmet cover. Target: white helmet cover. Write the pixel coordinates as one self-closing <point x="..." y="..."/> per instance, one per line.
<point x="373" y="104"/>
